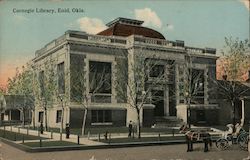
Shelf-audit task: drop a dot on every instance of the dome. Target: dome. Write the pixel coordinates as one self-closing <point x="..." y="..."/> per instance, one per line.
<point x="125" y="27"/>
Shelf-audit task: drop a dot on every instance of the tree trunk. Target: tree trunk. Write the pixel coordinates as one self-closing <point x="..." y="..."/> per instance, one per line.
<point x="233" y="105"/>
<point x="189" y="113"/>
<point x="33" y="118"/>
<point x="138" y="124"/>
<point x="0" y="118"/>
<point x="23" y="117"/>
<point x="84" y="120"/>
<point x="61" y="128"/>
<point x="46" y="122"/>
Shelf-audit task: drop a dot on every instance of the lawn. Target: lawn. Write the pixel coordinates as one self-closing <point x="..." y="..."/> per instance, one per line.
<point x="17" y="136"/>
<point x="102" y="130"/>
<point x="49" y="143"/>
<point x="142" y="139"/>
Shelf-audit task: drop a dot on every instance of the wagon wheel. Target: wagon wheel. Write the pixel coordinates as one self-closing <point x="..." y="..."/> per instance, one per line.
<point x="242" y="140"/>
<point x="222" y="144"/>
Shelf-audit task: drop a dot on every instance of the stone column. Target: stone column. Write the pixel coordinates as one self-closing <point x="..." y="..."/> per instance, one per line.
<point x="206" y="85"/>
<point x="166" y="101"/>
<point x="113" y="89"/>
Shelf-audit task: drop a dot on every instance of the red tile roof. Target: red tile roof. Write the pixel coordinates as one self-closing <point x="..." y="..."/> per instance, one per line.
<point x="126" y="30"/>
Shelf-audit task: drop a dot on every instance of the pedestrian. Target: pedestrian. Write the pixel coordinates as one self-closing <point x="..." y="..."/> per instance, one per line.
<point x="130" y="128"/>
<point x="206" y="139"/>
<point x="106" y="135"/>
<point x="67" y="130"/>
<point x="189" y="141"/>
<point x="41" y="128"/>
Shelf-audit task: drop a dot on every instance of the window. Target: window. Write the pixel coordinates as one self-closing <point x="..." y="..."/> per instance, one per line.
<point x="40" y="117"/>
<point x="58" y="116"/>
<point x="77" y="75"/>
<point x="100" y="77"/>
<point x="101" y="116"/>
<point x="157" y="71"/>
<point x="61" y="79"/>
<point x="41" y="82"/>
<point x="197" y="86"/>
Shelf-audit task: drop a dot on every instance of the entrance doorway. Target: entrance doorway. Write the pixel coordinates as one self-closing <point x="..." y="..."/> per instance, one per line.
<point x="158" y="101"/>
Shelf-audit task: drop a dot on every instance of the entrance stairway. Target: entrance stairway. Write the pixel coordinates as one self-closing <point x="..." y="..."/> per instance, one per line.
<point x="167" y="121"/>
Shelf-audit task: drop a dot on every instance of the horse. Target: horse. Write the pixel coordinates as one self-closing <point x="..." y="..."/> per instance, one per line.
<point x="193" y="136"/>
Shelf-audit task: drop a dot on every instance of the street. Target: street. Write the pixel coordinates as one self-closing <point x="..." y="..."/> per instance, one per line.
<point x="165" y="152"/>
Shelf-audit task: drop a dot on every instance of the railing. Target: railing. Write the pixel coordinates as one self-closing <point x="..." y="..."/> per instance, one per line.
<point x="82" y="36"/>
<point x="50" y="45"/>
<point x="98" y="38"/>
<point x="134" y="39"/>
<point x="153" y="41"/>
<point x="170" y="44"/>
<point x="201" y="50"/>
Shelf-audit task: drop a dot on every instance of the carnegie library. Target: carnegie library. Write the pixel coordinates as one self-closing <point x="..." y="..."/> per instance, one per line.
<point x="88" y="70"/>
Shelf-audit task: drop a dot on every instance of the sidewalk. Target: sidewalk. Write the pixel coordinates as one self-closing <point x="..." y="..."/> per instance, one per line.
<point x="89" y="140"/>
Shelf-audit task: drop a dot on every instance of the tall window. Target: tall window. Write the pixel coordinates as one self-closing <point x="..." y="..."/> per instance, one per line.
<point x="58" y="116"/>
<point x="197" y="86"/>
<point x="41" y="82"/>
<point x="100" y="77"/>
<point x="61" y="79"/>
<point x="101" y="116"/>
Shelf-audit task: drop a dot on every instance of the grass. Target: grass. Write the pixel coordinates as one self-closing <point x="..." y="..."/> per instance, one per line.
<point x="102" y="130"/>
<point x="142" y="139"/>
<point x="14" y="136"/>
<point x="49" y="143"/>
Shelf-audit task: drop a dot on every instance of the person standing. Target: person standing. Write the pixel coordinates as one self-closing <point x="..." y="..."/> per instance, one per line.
<point x="189" y="141"/>
<point x="130" y="128"/>
<point x="67" y="131"/>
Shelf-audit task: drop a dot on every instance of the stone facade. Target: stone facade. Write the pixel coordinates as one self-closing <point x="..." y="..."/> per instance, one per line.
<point x="78" y="52"/>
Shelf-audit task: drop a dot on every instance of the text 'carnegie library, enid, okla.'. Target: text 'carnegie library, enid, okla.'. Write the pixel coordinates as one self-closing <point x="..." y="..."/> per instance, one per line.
<point x="48" y="10"/>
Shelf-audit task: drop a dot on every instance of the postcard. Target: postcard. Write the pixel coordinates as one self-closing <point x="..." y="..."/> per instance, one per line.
<point x="116" y="79"/>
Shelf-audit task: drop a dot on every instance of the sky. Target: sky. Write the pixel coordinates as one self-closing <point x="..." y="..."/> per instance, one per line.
<point x="203" y="23"/>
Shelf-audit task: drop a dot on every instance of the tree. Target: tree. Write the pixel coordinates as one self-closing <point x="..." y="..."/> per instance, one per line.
<point x="46" y="78"/>
<point x="2" y="90"/>
<point x="137" y="75"/>
<point x="2" y="109"/>
<point x="19" y="85"/>
<point x="235" y="60"/>
<point x="234" y="63"/>
<point x="191" y="85"/>
<point x="99" y="77"/>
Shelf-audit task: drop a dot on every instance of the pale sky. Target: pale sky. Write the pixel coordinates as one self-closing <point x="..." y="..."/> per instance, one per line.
<point x="202" y="23"/>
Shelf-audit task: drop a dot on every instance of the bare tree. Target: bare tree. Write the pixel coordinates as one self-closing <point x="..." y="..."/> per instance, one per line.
<point x="191" y="85"/>
<point x="137" y="75"/>
<point x="99" y="78"/>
